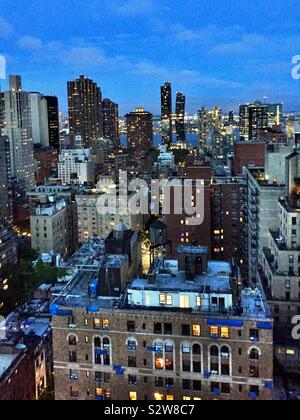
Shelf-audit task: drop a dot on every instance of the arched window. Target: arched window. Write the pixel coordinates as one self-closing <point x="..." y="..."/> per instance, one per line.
<point x="169" y="346"/>
<point x="186" y="348"/>
<point x="196" y="350"/>
<point x="214" y="351"/>
<point x="225" y="352"/>
<point x="73" y="340"/>
<point x="106" y="348"/>
<point x="97" y="342"/>
<point x="254" y="354"/>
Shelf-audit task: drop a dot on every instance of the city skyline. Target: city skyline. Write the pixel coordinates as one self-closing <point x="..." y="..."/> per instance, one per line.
<point x="110" y="46"/>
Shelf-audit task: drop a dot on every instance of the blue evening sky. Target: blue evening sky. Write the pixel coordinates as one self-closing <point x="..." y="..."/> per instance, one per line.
<point x="218" y="52"/>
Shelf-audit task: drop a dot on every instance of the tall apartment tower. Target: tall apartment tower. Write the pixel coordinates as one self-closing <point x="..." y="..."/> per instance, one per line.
<point x="85" y="109"/>
<point x="139" y="131"/>
<point x="253" y="119"/>
<point x="17" y="127"/>
<point x="111" y="120"/>
<point x="180" y="114"/>
<point x="39" y="119"/>
<point x="166" y="113"/>
<point x="208" y="120"/>
<point x="5" y="197"/>
<point x="53" y="121"/>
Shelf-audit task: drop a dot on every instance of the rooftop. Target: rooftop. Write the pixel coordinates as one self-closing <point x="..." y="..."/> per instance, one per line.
<point x="6" y="360"/>
<point x="169" y="278"/>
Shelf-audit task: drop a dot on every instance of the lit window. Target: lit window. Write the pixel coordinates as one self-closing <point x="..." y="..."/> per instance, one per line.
<point x="184" y="302"/>
<point x="199" y="302"/>
<point x="97" y="324"/>
<point x="169" y="300"/>
<point x="162" y="299"/>
<point x="105" y="325"/>
<point x="224" y="332"/>
<point x="159" y="364"/>
<point x="290" y="352"/>
<point x="187" y="399"/>
<point x="158" y="397"/>
<point x="170" y="398"/>
<point x="196" y="330"/>
<point x="133" y="396"/>
<point x="214" y="331"/>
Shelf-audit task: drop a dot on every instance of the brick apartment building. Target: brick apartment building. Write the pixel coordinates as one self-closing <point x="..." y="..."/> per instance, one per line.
<point x="183" y="333"/>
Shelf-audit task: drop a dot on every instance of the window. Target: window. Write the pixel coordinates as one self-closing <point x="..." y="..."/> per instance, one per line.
<point x="169" y="364"/>
<point x="224" y="332"/>
<point x="186" y="330"/>
<point x="254" y="372"/>
<point x="132" y="362"/>
<point x="225" y="352"/>
<point x="186" y="348"/>
<point x="254" y="335"/>
<point x="197" y="386"/>
<point x="166" y="300"/>
<point x="159" y="382"/>
<point x="133" y="396"/>
<point x="186" y="385"/>
<point x="196" y="331"/>
<point x="254" y="354"/>
<point x="97" y="324"/>
<point x="105" y="325"/>
<point x="73" y="357"/>
<point x="184" y="302"/>
<point x="72" y="340"/>
<point x="170" y="398"/>
<point x="225" y="370"/>
<point x="225" y="388"/>
<point x="132" y="345"/>
<point x="196" y="349"/>
<point x="254" y="390"/>
<point x="157" y="328"/>
<point x="132" y="380"/>
<point x="131" y="326"/>
<point x="169" y="347"/>
<point x="159" y="363"/>
<point x="74" y="375"/>
<point x="214" y="368"/>
<point x="214" y="351"/>
<point x="198" y="302"/>
<point x="97" y="342"/>
<point x="158" y="397"/>
<point x="186" y="366"/>
<point x="214" y="332"/>
<point x="197" y="367"/>
<point x="168" y="329"/>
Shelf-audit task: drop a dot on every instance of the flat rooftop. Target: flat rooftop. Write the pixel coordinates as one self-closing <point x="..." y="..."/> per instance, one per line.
<point x="169" y="278"/>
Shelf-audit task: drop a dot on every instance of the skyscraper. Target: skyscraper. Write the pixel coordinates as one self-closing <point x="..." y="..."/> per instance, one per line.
<point x="17" y="127"/>
<point x="180" y="115"/>
<point x="85" y="109"/>
<point x="39" y="119"/>
<point x="5" y="202"/>
<point x="139" y="131"/>
<point x="253" y="119"/>
<point x="53" y="121"/>
<point x="166" y="113"/>
<point x="111" y="120"/>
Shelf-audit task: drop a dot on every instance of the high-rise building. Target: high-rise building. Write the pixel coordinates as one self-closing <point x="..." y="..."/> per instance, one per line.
<point x="76" y="166"/>
<point x="17" y="127"/>
<point x="180" y="117"/>
<point x="111" y="121"/>
<point x="280" y="269"/>
<point x="85" y="109"/>
<point x="139" y="131"/>
<point x="53" y="121"/>
<point x="166" y="113"/>
<point x="231" y="118"/>
<point x="5" y="192"/>
<point x="275" y="114"/>
<point x="39" y="119"/>
<point x="208" y="120"/>
<point x="253" y="119"/>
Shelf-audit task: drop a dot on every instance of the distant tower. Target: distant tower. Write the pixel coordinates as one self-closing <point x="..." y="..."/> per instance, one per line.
<point x="166" y="113"/>
<point x="85" y="109"/>
<point x="139" y="131"/>
<point x="180" y="115"/>
<point x="53" y="121"/>
<point x="111" y="121"/>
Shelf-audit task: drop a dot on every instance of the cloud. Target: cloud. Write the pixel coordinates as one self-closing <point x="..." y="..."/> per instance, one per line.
<point x="247" y="44"/>
<point x="79" y="57"/>
<point x="5" y="28"/>
<point x="133" y="7"/>
<point x="30" y="43"/>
